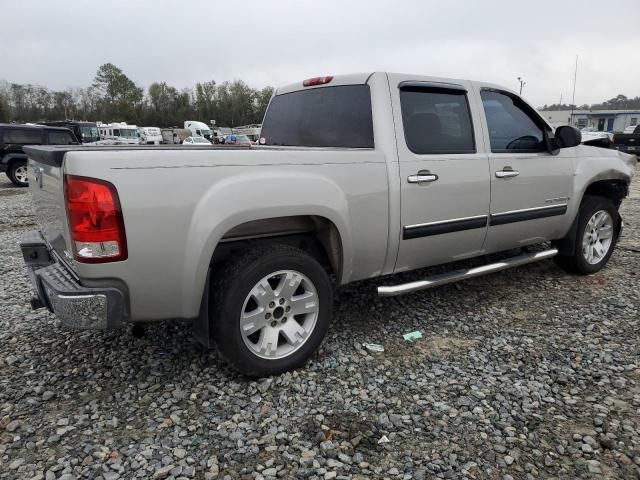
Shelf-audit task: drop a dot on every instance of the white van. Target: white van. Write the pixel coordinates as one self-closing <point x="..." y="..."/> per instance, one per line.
<point x="150" y="135"/>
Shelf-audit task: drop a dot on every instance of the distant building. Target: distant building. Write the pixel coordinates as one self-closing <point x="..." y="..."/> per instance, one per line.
<point x="600" y="120"/>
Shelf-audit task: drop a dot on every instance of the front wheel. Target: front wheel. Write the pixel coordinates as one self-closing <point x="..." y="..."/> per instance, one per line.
<point x="17" y="173"/>
<point x="270" y="309"/>
<point x="596" y="236"/>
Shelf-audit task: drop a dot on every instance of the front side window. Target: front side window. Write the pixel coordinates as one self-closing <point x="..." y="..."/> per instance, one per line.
<point x="22" y="136"/>
<point x="320" y="117"/>
<point x="634" y="121"/>
<point x="59" y="138"/>
<point x="512" y="127"/>
<point x="436" y="120"/>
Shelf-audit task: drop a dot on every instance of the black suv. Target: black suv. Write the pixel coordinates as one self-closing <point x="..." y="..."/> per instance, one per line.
<point x="13" y="137"/>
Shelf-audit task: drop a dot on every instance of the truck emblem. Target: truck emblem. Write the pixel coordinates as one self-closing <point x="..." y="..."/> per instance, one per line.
<point x="37" y="173"/>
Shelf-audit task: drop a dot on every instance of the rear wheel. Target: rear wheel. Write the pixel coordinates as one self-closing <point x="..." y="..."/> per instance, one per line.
<point x="270" y="309"/>
<point x="17" y="173"/>
<point x="596" y="236"/>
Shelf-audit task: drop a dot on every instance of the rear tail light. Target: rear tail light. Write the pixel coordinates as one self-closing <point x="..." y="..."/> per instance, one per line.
<point x="312" y="82"/>
<point x="95" y="220"/>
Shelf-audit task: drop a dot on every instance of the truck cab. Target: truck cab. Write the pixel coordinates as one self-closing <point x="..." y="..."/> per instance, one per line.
<point x="199" y="129"/>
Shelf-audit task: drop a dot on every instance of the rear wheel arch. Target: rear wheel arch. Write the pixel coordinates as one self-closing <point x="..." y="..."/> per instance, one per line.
<point x="317" y="235"/>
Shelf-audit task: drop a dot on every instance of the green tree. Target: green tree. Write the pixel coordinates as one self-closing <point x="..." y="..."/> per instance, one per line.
<point x="119" y="94"/>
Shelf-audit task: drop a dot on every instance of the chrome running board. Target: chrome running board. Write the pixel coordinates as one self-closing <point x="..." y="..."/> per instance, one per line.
<point x="463" y="274"/>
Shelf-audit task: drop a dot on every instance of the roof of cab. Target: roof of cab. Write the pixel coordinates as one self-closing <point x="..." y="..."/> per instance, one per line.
<point x="362" y="78"/>
<point x="348" y="79"/>
<point x="24" y="125"/>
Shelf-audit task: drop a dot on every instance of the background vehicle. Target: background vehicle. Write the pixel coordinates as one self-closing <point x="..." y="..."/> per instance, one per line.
<point x="150" y="135"/>
<point x="235" y="139"/>
<point x="379" y="173"/>
<point x="628" y="142"/>
<point x="119" y="133"/>
<point x="85" y="132"/>
<point x="251" y="131"/>
<point x="219" y="133"/>
<point x="595" y="138"/>
<point x="174" y="135"/>
<point x="196" y="141"/>
<point x="198" y="129"/>
<point x="13" y="160"/>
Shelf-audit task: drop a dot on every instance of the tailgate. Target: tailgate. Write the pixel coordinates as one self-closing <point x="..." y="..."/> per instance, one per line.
<point x="632" y="139"/>
<point x="46" y="185"/>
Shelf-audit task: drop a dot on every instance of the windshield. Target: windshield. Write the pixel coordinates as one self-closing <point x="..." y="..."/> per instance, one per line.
<point x="200" y="140"/>
<point x="242" y="138"/>
<point x="128" y="133"/>
<point x="89" y="132"/>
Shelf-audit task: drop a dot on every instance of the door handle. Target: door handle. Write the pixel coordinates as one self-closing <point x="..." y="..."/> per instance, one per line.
<point x="423" y="176"/>
<point x="507" y="172"/>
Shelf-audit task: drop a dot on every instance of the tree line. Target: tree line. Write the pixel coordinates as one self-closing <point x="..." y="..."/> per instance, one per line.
<point x="619" y="102"/>
<point x="114" y="97"/>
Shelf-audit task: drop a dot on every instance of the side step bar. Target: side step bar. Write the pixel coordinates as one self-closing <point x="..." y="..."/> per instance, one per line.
<point x="463" y="274"/>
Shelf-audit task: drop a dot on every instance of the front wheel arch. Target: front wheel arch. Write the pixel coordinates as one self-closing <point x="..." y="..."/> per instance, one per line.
<point x="569" y="247"/>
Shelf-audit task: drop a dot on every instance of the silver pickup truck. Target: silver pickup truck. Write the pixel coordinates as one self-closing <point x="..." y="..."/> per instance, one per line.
<point x="356" y="176"/>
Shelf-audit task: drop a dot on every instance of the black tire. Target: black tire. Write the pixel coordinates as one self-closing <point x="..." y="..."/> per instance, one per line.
<point x="577" y="263"/>
<point x="11" y="173"/>
<point x="230" y="288"/>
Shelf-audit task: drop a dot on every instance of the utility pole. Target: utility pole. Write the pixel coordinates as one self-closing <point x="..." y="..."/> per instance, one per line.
<point x="573" y="96"/>
<point x="522" y="84"/>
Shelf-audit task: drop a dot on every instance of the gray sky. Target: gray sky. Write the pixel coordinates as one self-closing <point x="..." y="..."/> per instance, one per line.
<point x="61" y="43"/>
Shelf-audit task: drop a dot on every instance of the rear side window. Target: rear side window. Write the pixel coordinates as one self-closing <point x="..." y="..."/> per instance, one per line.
<point x="22" y="136"/>
<point x="320" y="117"/>
<point x="512" y="126"/>
<point x="59" y="138"/>
<point x="436" y="120"/>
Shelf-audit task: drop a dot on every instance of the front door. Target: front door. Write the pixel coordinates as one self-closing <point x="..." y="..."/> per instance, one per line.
<point x="601" y="125"/>
<point x="530" y="188"/>
<point x="443" y="173"/>
<point x="609" y="124"/>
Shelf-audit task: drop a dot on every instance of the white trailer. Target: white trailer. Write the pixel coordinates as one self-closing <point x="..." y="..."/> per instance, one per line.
<point x="174" y="136"/>
<point x="119" y="133"/>
<point x="150" y="135"/>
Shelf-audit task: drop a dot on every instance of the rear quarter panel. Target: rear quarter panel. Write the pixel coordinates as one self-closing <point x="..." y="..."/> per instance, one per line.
<point x="178" y="204"/>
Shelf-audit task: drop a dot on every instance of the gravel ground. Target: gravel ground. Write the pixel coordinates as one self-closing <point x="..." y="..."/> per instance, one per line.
<point x="528" y="373"/>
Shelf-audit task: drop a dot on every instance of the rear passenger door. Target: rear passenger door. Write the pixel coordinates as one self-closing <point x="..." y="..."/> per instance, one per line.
<point x="443" y="173"/>
<point x="530" y="188"/>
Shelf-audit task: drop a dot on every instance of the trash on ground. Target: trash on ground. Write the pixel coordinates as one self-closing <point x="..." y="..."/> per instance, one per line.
<point x="373" y="347"/>
<point x="330" y="362"/>
<point x="383" y="439"/>
<point x="411" y="336"/>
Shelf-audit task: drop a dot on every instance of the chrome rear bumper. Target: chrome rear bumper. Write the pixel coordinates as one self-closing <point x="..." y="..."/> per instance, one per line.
<point x="59" y="290"/>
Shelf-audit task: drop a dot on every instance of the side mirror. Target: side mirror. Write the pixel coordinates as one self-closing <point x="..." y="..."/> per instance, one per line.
<point x="567" y="136"/>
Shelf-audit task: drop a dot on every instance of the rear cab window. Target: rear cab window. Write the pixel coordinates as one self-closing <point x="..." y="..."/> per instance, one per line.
<point x="338" y="116"/>
<point x="436" y="120"/>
